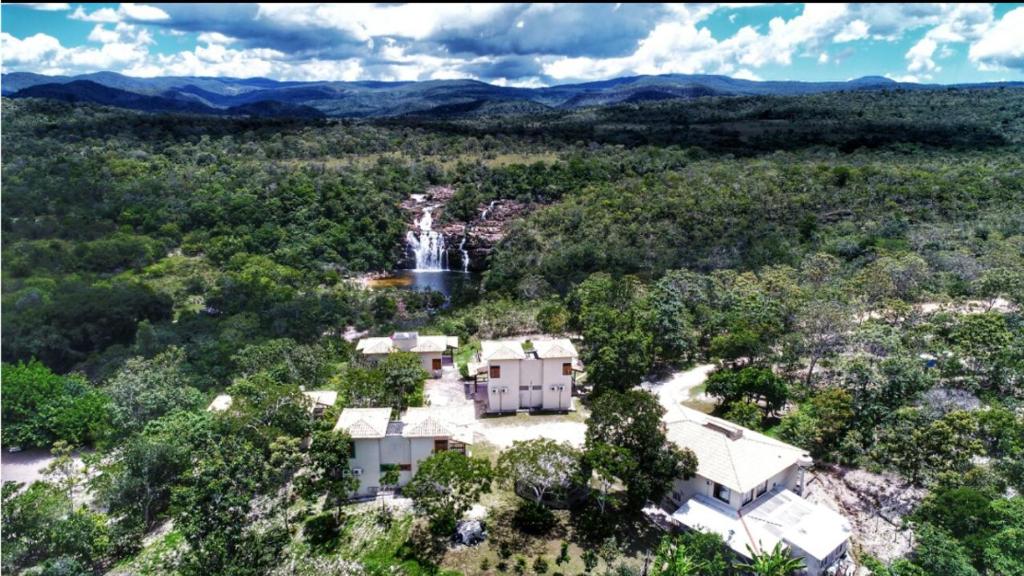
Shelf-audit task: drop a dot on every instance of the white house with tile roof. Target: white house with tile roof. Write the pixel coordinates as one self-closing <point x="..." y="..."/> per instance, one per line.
<point x="380" y="443"/>
<point x="745" y="489"/>
<point x="536" y="378"/>
<point x="431" y="349"/>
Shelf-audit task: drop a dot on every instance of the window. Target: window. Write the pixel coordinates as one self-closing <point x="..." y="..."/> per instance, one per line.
<point x="524" y="388"/>
<point x="538" y="387"/>
<point x="566" y="368"/>
<point x="440" y="444"/>
<point x="495" y="371"/>
<point x="748" y="497"/>
<point x="435" y="364"/>
<point x="762" y="488"/>
<point x="351" y="450"/>
<point x="405" y="467"/>
<point x="722" y="493"/>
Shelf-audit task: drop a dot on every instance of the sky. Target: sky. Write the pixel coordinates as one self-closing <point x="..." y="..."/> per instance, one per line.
<point x="519" y="44"/>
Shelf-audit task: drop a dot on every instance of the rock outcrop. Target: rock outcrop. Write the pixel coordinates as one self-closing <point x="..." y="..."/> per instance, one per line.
<point x="473" y="240"/>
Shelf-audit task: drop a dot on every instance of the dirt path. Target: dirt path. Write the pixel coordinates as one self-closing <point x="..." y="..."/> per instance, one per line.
<point x="679" y="390"/>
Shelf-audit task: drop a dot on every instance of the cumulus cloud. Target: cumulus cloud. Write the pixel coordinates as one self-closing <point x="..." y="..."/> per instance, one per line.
<point x="511" y="44"/>
<point x="1000" y="46"/>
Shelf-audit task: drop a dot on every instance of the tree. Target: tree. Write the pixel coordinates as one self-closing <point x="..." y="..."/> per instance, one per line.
<point x="614" y="317"/>
<point x="675" y="338"/>
<point x="40" y="407"/>
<point x="446" y="485"/>
<point x="692" y="553"/>
<point x="608" y="465"/>
<point x="539" y="469"/>
<point x="775" y="562"/>
<point x="746" y="414"/>
<point x="404" y="375"/>
<point x="144" y="390"/>
<point x="266" y="409"/>
<point x="981" y="339"/>
<point x="758" y="385"/>
<point x="937" y="552"/>
<point x="822" y="325"/>
<point x="632" y="421"/>
<point x="328" y="469"/>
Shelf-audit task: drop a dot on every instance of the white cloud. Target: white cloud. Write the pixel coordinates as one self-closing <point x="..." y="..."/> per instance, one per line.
<point x="125" y="11"/>
<point x="823" y="58"/>
<point x="1001" y="46"/>
<point x="906" y="78"/>
<point x="214" y="38"/>
<point x="108" y="15"/>
<point x="920" y="55"/>
<point x="855" y="30"/>
<point x="30" y="51"/>
<point x="47" y="7"/>
<point x="143" y="12"/>
<point x="744" y="74"/>
<point x="102" y="35"/>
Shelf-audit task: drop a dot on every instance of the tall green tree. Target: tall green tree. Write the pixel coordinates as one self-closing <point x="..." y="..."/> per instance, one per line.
<point x="446" y="485"/>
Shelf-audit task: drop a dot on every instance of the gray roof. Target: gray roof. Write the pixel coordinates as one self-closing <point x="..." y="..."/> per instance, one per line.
<point x="555" y="348"/>
<point x="731" y="455"/>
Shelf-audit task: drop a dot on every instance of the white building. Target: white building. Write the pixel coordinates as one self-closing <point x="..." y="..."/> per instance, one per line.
<point x="380" y="444"/>
<point x="537" y="378"/>
<point x="745" y="489"/>
<point x="432" y="350"/>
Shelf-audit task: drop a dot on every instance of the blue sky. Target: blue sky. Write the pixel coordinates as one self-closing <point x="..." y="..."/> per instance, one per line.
<point x="519" y="44"/>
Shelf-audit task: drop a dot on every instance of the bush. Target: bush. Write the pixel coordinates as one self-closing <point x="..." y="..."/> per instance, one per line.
<point x="534" y="518"/>
<point x="321" y="530"/>
<point x="540" y="565"/>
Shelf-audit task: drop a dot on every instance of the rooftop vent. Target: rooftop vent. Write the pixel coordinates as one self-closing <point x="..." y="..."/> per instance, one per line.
<point x="731" y="432"/>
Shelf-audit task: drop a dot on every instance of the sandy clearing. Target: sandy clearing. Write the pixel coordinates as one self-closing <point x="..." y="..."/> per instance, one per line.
<point x="677" y="390"/>
<point x="504" y="435"/>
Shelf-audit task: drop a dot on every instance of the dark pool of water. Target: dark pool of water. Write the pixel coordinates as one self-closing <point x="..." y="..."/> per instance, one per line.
<point x="450" y="283"/>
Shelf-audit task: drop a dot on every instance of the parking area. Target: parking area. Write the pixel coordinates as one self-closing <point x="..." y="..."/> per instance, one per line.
<point x="500" y="431"/>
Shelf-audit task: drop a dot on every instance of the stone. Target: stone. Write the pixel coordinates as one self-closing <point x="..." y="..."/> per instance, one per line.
<point x="470" y="532"/>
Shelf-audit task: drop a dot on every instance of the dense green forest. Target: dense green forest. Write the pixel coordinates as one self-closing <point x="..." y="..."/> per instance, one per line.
<point x="818" y="249"/>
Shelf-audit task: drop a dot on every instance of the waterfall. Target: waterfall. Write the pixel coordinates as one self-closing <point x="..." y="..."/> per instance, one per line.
<point x="428" y="246"/>
<point x="488" y="209"/>
<point x="465" y="255"/>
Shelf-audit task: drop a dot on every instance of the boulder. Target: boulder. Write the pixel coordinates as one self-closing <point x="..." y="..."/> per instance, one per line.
<point x="470" y="532"/>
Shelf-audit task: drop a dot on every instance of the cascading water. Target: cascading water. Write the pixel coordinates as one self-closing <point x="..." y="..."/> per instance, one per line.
<point x="465" y="255"/>
<point x="488" y="210"/>
<point x="428" y="246"/>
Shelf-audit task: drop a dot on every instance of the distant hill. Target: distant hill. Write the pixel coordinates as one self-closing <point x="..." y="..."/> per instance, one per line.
<point x="447" y="98"/>
<point x="170" y="101"/>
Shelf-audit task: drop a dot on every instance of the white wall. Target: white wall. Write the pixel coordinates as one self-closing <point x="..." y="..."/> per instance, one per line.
<point x="788" y="478"/>
<point x="556" y="399"/>
<point x="426" y="361"/>
<point x="368" y="458"/>
<point x="420" y="449"/>
<point x="531" y="376"/>
<point x="508" y="402"/>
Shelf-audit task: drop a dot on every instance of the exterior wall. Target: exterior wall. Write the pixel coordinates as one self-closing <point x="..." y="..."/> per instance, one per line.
<point x="374" y="358"/>
<point x="368" y="458"/>
<point x="508" y="402"/>
<point x="531" y="376"/>
<point x="683" y="490"/>
<point x="419" y="449"/>
<point x="426" y="361"/>
<point x="557" y="399"/>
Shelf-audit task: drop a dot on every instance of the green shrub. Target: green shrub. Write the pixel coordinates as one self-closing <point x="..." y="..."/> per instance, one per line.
<point x="321" y="530"/>
<point x="540" y="565"/>
<point x="534" y="518"/>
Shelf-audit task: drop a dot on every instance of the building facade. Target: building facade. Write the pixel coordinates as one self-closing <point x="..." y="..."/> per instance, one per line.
<point x="435" y="352"/>
<point x="538" y="377"/>
<point x="747" y="489"/>
<point x="380" y="444"/>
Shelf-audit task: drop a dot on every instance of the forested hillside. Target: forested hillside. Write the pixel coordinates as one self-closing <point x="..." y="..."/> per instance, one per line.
<point x="853" y="264"/>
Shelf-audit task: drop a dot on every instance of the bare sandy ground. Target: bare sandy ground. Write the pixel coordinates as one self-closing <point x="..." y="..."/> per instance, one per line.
<point x="679" y="388"/>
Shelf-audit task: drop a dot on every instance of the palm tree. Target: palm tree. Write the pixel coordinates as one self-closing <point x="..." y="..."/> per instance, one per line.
<point x="777" y="562"/>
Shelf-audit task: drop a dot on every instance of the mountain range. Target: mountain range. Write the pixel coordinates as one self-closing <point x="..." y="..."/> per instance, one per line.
<point x="265" y="97"/>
